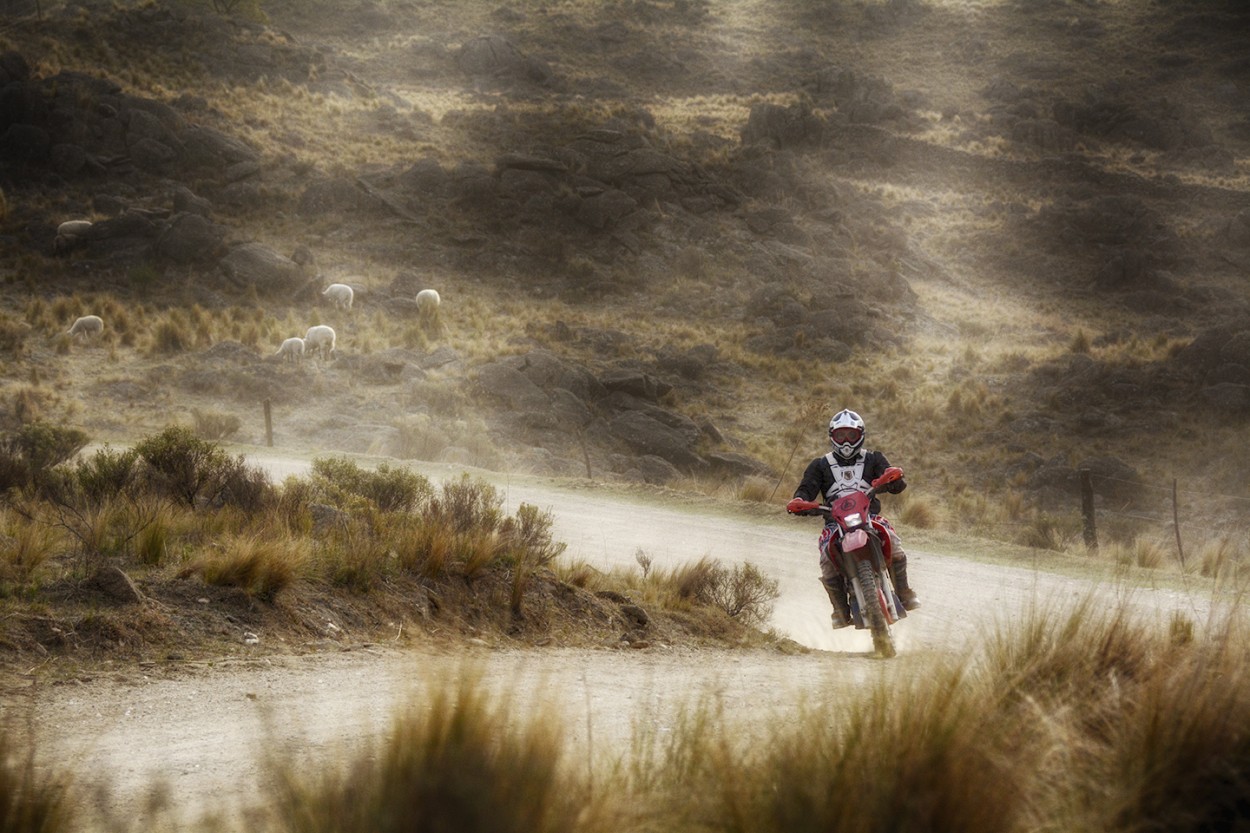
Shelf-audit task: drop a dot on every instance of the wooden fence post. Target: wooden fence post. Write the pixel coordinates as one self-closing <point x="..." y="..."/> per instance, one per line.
<point x="268" y="425"/>
<point x="1087" y="509"/>
<point x="1176" y="524"/>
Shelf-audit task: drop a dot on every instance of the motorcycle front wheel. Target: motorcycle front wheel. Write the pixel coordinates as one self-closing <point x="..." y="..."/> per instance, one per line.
<point x="873" y="612"/>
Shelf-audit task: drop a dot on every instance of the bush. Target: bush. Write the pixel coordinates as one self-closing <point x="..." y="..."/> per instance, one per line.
<point x="28" y="455"/>
<point x="467" y="504"/>
<point x="743" y="593"/>
<point x="106" y="473"/>
<point x="389" y="489"/>
<point x="245" y="487"/>
<point x="528" y="537"/>
<point x="193" y="470"/>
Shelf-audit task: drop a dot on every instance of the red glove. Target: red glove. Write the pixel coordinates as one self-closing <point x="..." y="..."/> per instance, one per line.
<point x="797" y="505"/>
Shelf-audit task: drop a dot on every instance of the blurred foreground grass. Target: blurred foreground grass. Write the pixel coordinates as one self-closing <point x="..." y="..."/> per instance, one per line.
<point x="1073" y="719"/>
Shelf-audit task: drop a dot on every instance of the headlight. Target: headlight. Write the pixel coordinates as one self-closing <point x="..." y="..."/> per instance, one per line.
<point x="853" y="519"/>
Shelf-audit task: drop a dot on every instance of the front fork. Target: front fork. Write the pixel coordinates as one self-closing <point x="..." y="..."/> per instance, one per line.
<point x="847" y="562"/>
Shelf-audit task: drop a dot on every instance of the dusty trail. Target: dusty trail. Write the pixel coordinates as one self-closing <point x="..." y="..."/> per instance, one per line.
<point x="204" y="734"/>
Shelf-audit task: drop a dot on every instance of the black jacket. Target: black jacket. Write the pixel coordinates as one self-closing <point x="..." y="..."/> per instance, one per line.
<point x="818" y="478"/>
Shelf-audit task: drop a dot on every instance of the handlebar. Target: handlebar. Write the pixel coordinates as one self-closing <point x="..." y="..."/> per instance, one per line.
<point x="887" y="477"/>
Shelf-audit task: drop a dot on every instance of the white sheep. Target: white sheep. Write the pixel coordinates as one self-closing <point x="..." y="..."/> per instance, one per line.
<point x="427" y="304"/>
<point x="320" y="340"/>
<point x="67" y="234"/>
<point x="340" y="294"/>
<point x="292" y="350"/>
<point x="87" y="325"/>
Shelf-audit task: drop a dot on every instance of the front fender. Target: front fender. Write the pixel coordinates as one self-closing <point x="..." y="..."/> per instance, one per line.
<point x="853" y="540"/>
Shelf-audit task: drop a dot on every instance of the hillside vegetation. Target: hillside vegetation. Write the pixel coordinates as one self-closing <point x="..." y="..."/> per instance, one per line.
<point x="670" y="237"/>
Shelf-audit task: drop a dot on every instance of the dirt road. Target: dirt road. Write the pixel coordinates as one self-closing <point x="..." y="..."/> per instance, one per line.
<point x="203" y="733"/>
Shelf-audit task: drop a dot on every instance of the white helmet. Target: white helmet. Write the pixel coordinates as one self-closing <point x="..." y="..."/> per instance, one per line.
<point x="846" y="434"/>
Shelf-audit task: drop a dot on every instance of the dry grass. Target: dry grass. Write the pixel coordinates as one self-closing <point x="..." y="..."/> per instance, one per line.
<point x="259" y="564"/>
<point x="458" y="761"/>
<point x="24" y="549"/>
<point x="1082" y="718"/>
<point x="31" y="801"/>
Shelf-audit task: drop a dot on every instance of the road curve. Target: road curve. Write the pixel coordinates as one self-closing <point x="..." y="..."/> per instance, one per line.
<point x="203" y="733"/>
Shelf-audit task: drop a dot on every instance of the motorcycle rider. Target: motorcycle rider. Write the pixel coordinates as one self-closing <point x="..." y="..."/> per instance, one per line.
<point x="849" y="466"/>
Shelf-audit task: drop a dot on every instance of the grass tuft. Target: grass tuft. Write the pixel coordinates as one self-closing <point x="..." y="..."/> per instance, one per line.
<point x="459" y="762"/>
<point x="30" y="802"/>
<point x="260" y="565"/>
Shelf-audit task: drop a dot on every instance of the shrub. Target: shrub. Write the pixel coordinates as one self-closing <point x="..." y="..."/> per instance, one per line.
<point x="186" y="464"/>
<point x="28" y="454"/>
<point x="245" y="487"/>
<point x="106" y="473"/>
<point x="193" y="470"/>
<point x="743" y="592"/>
<point x="527" y="537"/>
<point x="389" y="489"/>
<point x="466" y="504"/>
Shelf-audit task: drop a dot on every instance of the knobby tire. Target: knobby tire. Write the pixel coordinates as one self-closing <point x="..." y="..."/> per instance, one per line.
<point x="872" y="611"/>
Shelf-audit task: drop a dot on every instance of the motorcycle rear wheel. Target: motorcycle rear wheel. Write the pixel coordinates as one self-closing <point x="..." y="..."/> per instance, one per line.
<point x="874" y="614"/>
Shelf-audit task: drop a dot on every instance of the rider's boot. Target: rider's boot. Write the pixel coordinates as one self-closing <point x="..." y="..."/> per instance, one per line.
<point x="898" y="570"/>
<point x="835" y="588"/>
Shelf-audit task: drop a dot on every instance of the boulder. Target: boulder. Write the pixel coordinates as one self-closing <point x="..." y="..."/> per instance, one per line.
<point x="646" y="468"/>
<point x="660" y="434"/>
<point x="1227" y="396"/>
<point x="13" y="67"/>
<point x="781" y="127"/>
<point x="607" y="209"/>
<point x="68" y="160"/>
<point x="187" y="202"/>
<point x="508" y="386"/>
<point x="213" y="151"/>
<point x="550" y="373"/>
<point x="494" y="56"/>
<point x="255" y="264"/>
<point x="635" y="383"/>
<point x="116" y="585"/>
<point x="191" y="238"/>
<point x="25" y="143"/>
<point x="736" y="464"/>
<point x="330" y="196"/>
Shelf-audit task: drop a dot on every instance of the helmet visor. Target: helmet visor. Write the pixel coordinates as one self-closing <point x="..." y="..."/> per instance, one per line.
<point x="844" y="436"/>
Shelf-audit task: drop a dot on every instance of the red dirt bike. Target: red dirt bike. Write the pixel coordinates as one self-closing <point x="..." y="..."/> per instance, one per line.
<point x="860" y="548"/>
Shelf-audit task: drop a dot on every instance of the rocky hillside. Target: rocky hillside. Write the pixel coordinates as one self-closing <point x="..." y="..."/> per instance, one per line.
<point x="1014" y="234"/>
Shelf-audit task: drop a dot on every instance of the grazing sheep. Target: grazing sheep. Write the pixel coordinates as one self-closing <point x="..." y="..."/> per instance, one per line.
<point x="340" y="294"/>
<point x="292" y="350"/>
<point x="67" y="234"/>
<point x="87" y="325"/>
<point x="427" y="304"/>
<point x="320" y="339"/>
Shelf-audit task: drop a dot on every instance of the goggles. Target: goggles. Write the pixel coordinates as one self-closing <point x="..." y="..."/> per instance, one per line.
<point x="841" y="436"/>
